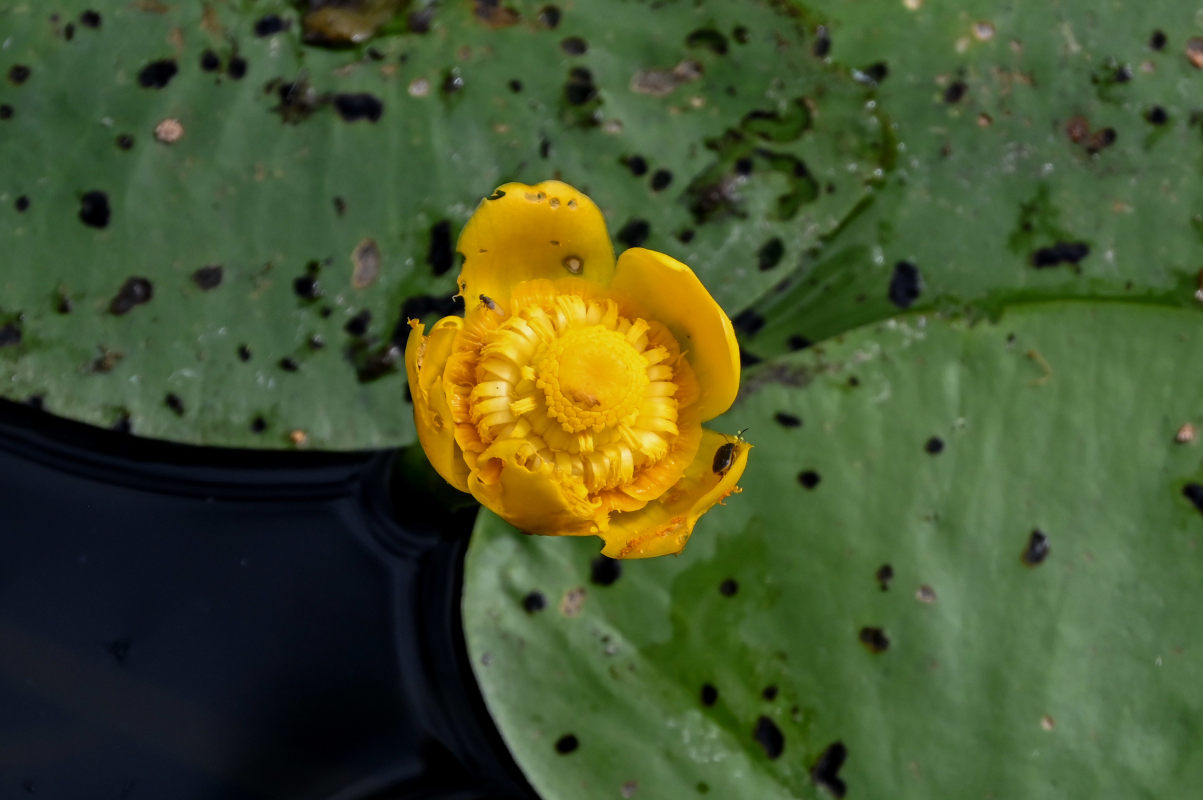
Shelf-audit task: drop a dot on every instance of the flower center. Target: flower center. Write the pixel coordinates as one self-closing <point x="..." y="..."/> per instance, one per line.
<point x="592" y="393"/>
<point x="592" y="378"/>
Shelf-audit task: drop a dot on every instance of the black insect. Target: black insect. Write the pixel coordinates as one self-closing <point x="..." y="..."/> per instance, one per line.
<point x="490" y="304"/>
<point x="724" y="456"/>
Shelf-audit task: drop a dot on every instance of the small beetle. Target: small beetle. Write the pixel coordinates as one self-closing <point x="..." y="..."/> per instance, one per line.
<point x="724" y="456"/>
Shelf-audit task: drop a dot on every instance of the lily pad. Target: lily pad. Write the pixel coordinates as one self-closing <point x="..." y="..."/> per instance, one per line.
<point x="215" y="231"/>
<point x="965" y="563"/>
<point x="1040" y="156"/>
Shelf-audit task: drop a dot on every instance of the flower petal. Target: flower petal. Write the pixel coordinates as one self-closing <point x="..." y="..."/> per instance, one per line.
<point x="525" y="491"/>
<point x="668" y="291"/>
<point x="549" y="230"/>
<point x="663" y="526"/>
<point x="425" y="359"/>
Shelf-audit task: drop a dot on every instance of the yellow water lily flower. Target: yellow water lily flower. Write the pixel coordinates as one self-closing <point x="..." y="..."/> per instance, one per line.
<point x="569" y="399"/>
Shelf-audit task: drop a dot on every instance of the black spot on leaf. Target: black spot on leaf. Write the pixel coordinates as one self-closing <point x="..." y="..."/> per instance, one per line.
<point x="574" y="46"/>
<point x="173" y="402"/>
<point x="157" y="74"/>
<point x="748" y="321"/>
<point x="787" y="420"/>
<point x="18" y="74"/>
<point x="567" y="744"/>
<point x="1158" y="40"/>
<point x="549" y="16"/>
<point x="208" y="277"/>
<point x="729" y="587"/>
<point x="809" y="478"/>
<point x="874" y="639"/>
<point x="515" y="85"/>
<point x="441" y="254"/>
<point x="884" y="574"/>
<point x="22" y="203"/>
<point x="419" y="22"/>
<point x="1100" y="140"/>
<point x="770" y="253"/>
<point x="1060" y="253"/>
<point x="579" y="88"/>
<point x="1156" y="115"/>
<point x="661" y="178"/>
<point x="769" y="693"/>
<point x="358" y="325"/>
<point x="258" y="425"/>
<point x="237" y="68"/>
<point x="125" y="141"/>
<point x="269" y="25"/>
<point x="453" y="81"/>
<point x="822" y="46"/>
<point x="209" y="62"/>
<point x="955" y="91"/>
<point x="6" y="111"/>
<point x="94" y="209"/>
<point x="709" y="39"/>
<point x="770" y="737"/>
<point x="604" y="570"/>
<point x="709" y="695"/>
<point x="636" y="164"/>
<point x="826" y="771"/>
<point x="798" y="342"/>
<point x="1194" y="493"/>
<point x="288" y="365"/>
<point x="134" y="292"/>
<point x="1036" y="549"/>
<point x="905" y="284"/>
<point x="634" y="233"/>
<point x="361" y="105"/>
<point x="90" y="19"/>
<point x="534" y="602"/>
<point x="307" y="287"/>
<point x="244" y="352"/>
<point x="10" y="334"/>
<point x="934" y="445"/>
<point x="874" y="74"/>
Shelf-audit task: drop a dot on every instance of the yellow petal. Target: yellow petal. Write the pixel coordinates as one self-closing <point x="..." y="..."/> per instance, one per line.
<point x="525" y="491"/>
<point x="663" y="526"/>
<point x="520" y="233"/>
<point x="667" y="291"/>
<point x="425" y="359"/>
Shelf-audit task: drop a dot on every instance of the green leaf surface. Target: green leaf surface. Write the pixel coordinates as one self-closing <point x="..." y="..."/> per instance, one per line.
<point x="868" y="586"/>
<point x="1021" y="128"/>
<point x="322" y="190"/>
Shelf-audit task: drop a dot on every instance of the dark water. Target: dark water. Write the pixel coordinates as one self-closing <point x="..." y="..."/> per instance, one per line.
<point x="188" y="623"/>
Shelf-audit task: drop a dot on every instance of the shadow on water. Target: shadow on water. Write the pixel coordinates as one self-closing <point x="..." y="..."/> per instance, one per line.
<point x="203" y="623"/>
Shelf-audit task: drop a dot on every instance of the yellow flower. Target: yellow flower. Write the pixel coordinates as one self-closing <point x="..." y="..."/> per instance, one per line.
<point x="569" y="398"/>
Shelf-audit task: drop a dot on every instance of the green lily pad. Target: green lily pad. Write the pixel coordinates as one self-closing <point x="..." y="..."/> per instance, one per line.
<point x="1044" y="151"/>
<point x="214" y="231"/>
<point x="966" y="558"/>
